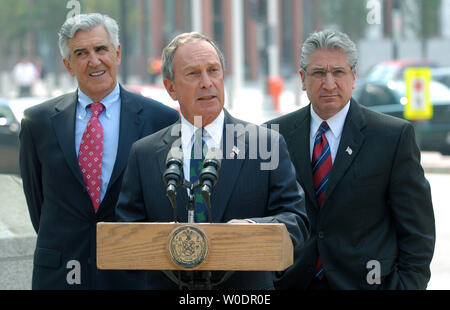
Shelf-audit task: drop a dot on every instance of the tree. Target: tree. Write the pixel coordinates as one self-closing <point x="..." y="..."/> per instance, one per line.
<point x="348" y="15"/>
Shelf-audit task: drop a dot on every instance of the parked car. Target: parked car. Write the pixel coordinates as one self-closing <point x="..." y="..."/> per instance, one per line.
<point x="11" y="113"/>
<point x="395" y="69"/>
<point x="154" y="92"/>
<point x="389" y="98"/>
<point x="441" y="74"/>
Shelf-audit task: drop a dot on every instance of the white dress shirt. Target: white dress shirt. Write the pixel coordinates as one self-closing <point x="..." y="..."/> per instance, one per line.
<point x="212" y="139"/>
<point x="333" y="135"/>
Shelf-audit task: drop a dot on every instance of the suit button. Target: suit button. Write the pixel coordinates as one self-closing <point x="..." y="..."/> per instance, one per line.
<point x="320" y="234"/>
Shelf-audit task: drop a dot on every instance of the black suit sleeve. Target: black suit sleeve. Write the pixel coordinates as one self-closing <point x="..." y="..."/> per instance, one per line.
<point x="412" y="210"/>
<point x="30" y="170"/>
<point x="130" y="205"/>
<point x="286" y="201"/>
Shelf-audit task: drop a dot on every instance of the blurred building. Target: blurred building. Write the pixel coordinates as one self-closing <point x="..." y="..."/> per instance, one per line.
<point x="170" y="17"/>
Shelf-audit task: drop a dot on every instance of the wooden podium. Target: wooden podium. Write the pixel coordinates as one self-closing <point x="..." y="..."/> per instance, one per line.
<point x="199" y="246"/>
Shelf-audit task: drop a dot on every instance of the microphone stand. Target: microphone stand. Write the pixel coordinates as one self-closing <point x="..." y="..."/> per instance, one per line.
<point x="195" y="279"/>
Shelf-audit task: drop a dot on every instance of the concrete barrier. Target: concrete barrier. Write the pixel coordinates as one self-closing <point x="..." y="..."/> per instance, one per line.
<point x="17" y="236"/>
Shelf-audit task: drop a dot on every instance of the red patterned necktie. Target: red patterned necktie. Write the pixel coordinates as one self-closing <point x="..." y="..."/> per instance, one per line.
<point x="321" y="167"/>
<point x="90" y="154"/>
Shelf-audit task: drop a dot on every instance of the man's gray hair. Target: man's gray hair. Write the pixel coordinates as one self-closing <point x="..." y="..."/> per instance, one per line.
<point x="86" y="22"/>
<point x="169" y="51"/>
<point x="329" y="40"/>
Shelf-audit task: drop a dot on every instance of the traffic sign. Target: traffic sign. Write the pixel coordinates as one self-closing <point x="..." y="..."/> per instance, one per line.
<point x="419" y="105"/>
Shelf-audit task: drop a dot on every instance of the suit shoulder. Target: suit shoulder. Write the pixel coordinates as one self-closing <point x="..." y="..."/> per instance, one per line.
<point x="383" y="121"/>
<point x="288" y="122"/>
<point x="151" y="142"/>
<point x="152" y="105"/>
<point x="45" y="108"/>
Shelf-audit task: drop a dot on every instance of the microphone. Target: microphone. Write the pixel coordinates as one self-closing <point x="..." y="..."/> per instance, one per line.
<point x="209" y="175"/>
<point x="173" y="176"/>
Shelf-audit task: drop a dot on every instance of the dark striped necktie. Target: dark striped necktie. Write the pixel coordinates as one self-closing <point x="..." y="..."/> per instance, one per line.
<point x="321" y="167"/>
<point x="196" y="166"/>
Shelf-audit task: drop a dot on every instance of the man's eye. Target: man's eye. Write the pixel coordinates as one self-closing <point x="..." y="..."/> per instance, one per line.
<point x="339" y="73"/>
<point x="319" y="73"/>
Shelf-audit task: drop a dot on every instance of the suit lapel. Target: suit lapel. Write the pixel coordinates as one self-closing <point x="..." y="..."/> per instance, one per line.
<point x="63" y="122"/>
<point x="168" y="140"/>
<point x="129" y="132"/>
<point x="351" y="138"/>
<point x="229" y="170"/>
<point x="298" y="139"/>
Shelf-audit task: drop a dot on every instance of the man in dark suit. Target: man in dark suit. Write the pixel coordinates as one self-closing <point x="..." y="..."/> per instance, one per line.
<point x="366" y="195"/>
<point x="69" y="183"/>
<point x="249" y="189"/>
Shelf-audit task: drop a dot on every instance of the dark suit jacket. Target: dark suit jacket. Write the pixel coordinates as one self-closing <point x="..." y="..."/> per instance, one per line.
<point x="60" y="208"/>
<point x="377" y="205"/>
<point x="243" y="191"/>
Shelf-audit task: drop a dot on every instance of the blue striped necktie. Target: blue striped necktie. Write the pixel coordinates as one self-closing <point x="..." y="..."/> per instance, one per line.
<point x="196" y="166"/>
<point x="321" y="167"/>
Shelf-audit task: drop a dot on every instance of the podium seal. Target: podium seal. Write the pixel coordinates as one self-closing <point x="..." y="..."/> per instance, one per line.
<point x="188" y="246"/>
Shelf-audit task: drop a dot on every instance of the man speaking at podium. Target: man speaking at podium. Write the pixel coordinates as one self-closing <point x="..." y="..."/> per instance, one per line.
<point x="250" y="189"/>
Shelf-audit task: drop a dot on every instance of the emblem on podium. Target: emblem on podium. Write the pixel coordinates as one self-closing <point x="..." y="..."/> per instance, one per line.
<point x="188" y="246"/>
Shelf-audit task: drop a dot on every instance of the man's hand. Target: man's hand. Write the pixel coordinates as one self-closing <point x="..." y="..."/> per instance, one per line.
<point x="245" y="221"/>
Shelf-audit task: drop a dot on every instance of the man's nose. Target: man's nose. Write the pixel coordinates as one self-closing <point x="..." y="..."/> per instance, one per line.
<point x="205" y="80"/>
<point x="94" y="60"/>
<point x="329" y="82"/>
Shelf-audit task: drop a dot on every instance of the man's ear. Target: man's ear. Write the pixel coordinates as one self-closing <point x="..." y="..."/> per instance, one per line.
<point x="68" y="66"/>
<point x="302" y="75"/>
<point x="170" y="87"/>
<point x="354" y="78"/>
<point x="119" y="54"/>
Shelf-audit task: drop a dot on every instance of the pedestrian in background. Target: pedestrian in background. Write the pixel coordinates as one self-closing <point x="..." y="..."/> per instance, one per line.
<point x="25" y="74"/>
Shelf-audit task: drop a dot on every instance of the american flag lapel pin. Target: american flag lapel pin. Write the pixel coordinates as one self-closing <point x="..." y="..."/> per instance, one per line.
<point x="234" y="152"/>
<point x="349" y="150"/>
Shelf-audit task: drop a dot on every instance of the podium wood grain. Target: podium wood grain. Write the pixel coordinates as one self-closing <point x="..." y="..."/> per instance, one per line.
<point x="144" y="246"/>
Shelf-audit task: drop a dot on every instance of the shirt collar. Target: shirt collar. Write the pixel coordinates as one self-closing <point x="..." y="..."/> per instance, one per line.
<point x="107" y="102"/>
<point x="214" y="129"/>
<point x="336" y="122"/>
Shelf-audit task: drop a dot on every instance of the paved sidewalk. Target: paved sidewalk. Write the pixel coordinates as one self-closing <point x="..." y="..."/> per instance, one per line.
<point x="434" y="162"/>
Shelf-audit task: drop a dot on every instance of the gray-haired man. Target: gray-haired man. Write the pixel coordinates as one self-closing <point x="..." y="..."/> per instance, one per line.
<point x="73" y="151"/>
<point x="366" y="195"/>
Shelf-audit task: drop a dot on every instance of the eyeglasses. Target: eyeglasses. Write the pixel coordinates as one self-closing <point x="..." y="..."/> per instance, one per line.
<point x="320" y="74"/>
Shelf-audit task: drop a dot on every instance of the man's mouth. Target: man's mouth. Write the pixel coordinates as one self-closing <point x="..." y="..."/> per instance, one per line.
<point x="206" y="98"/>
<point x="97" y="74"/>
<point x="329" y="96"/>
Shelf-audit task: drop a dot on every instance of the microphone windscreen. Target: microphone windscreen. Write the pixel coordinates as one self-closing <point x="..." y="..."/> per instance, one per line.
<point x="175" y="152"/>
<point x="214" y="154"/>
